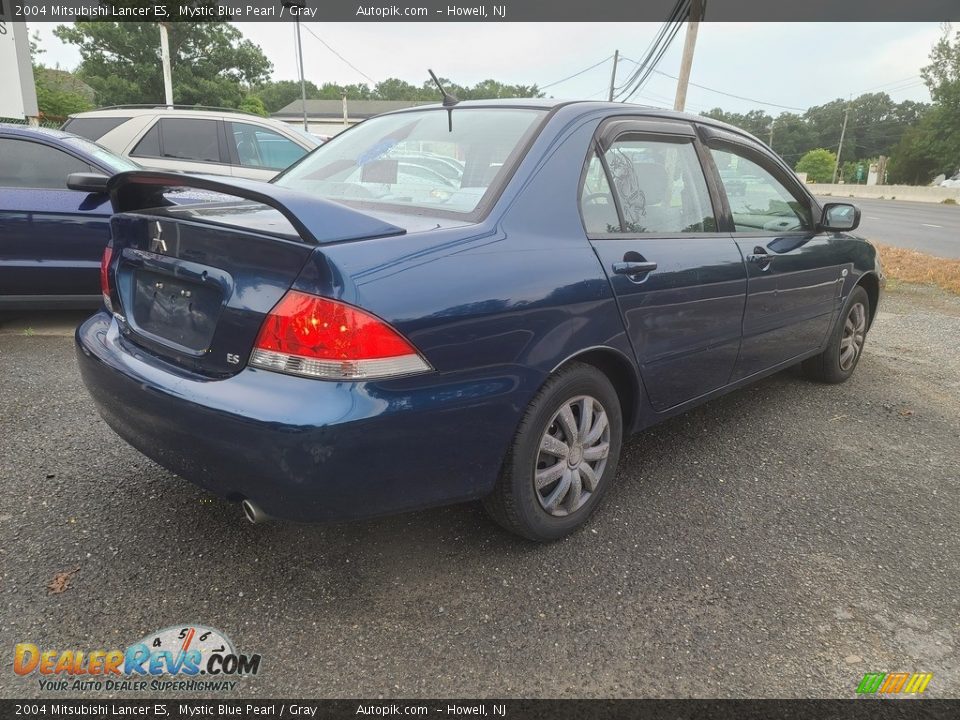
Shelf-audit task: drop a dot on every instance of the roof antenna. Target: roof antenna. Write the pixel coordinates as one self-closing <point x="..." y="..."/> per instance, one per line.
<point x="449" y="100"/>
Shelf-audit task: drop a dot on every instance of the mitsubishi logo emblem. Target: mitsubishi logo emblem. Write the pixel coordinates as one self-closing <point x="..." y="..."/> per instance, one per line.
<point x="157" y="243"/>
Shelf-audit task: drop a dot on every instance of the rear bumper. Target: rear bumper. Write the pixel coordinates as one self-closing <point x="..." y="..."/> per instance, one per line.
<point x="303" y="449"/>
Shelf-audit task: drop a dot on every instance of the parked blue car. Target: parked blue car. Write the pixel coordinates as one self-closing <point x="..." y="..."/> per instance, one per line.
<point x="52" y="230"/>
<point x="353" y="339"/>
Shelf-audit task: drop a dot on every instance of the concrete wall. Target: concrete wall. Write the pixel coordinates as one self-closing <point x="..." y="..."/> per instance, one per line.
<point x="888" y="192"/>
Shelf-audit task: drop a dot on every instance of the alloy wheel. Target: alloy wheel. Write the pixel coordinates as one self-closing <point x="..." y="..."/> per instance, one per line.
<point x="854" y="334"/>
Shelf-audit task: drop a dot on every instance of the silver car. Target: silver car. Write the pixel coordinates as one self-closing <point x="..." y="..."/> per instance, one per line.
<point x="214" y="141"/>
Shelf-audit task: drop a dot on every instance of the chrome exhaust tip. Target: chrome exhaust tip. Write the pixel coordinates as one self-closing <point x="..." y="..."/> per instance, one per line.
<point x="253" y="512"/>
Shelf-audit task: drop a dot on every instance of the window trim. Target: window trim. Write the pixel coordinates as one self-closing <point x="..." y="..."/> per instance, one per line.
<point x="715" y="139"/>
<point x="581" y="184"/>
<point x="612" y="129"/>
<point x="65" y="151"/>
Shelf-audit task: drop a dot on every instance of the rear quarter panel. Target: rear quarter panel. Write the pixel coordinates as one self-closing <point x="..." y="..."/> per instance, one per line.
<point x="495" y="307"/>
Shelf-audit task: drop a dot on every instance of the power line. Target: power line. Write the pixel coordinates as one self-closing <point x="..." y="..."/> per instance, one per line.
<point x="327" y="46"/>
<point x="738" y="97"/>
<point x="648" y="52"/>
<point x="576" y="74"/>
<point x="887" y="84"/>
<point x="656" y="60"/>
<point x="655" y="51"/>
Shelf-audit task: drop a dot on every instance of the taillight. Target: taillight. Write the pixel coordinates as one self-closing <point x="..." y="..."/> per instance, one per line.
<point x="321" y="338"/>
<point x="105" y="276"/>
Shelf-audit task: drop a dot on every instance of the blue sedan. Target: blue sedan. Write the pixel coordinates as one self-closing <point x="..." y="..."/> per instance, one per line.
<point x="52" y="230"/>
<point x="355" y="338"/>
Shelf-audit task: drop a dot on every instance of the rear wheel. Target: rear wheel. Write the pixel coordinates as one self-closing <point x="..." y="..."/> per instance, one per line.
<point x="563" y="458"/>
<point x="839" y="360"/>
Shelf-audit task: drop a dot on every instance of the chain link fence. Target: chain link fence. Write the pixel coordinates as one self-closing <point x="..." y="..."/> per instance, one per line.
<point x="45" y="123"/>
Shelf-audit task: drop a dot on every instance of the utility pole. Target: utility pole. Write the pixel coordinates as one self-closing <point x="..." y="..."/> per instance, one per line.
<point x="299" y="5"/>
<point x="613" y="75"/>
<point x="843" y="131"/>
<point x="165" y="59"/>
<point x="773" y="121"/>
<point x="693" y="25"/>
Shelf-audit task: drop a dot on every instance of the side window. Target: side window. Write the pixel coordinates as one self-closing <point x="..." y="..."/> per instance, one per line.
<point x="596" y="201"/>
<point x="25" y="164"/>
<point x="660" y="185"/>
<point x="758" y="200"/>
<point x="181" y="139"/>
<point x="263" y="148"/>
<point x="149" y="145"/>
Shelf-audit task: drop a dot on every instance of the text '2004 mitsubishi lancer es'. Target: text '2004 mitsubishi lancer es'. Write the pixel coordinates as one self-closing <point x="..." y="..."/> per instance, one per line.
<point x="451" y="303"/>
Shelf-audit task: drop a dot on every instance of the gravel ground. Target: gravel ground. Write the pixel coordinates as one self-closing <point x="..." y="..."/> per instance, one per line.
<point x="778" y="542"/>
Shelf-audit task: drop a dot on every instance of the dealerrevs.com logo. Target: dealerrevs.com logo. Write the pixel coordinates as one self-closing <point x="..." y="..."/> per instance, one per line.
<point x="178" y="658"/>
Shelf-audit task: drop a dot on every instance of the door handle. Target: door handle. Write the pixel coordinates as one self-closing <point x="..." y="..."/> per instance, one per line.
<point x="633" y="267"/>
<point x="760" y="257"/>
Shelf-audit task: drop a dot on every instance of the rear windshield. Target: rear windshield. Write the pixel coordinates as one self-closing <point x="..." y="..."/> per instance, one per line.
<point x="430" y="160"/>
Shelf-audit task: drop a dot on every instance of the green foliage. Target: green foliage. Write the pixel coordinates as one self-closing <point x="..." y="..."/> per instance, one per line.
<point x="59" y="93"/>
<point x="279" y="94"/>
<point x="818" y="165"/>
<point x="253" y="104"/>
<point x="755" y="122"/>
<point x="875" y="124"/>
<point x="933" y="146"/>
<point x="210" y="61"/>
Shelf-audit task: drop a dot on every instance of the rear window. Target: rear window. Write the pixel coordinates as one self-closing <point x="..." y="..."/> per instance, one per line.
<point x="430" y="160"/>
<point x="181" y="139"/>
<point x="93" y="128"/>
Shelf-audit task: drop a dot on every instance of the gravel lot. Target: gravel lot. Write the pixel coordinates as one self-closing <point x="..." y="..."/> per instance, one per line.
<point x="778" y="542"/>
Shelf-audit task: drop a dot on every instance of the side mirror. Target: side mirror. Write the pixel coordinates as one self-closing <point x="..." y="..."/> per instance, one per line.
<point x="839" y="217"/>
<point x="87" y="182"/>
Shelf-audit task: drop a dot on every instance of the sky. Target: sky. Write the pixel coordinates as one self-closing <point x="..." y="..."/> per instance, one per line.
<point x="788" y="66"/>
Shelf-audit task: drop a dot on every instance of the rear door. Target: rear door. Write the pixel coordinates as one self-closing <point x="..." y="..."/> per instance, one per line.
<point x="794" y="282"/>
<point x="51" y="238"/>
<point x="680" y="284"/>
<point x="196" y="145"/>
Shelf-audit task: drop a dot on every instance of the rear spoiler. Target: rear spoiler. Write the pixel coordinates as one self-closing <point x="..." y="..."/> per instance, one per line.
<point x="312" y="217"/>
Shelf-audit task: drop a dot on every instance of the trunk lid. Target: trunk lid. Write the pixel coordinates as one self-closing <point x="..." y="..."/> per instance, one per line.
<point x="198" y="262"/>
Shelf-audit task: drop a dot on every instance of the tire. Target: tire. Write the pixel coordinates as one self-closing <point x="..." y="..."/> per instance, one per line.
<point x="549" y="512"/>
<point x="845" y="345"/>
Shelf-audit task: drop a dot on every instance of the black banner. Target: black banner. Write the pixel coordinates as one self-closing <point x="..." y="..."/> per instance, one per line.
<point x="864" y="709"/>
<point x="59" y="11"/>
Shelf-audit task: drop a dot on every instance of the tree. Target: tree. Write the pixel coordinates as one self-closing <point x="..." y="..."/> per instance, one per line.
<point x="253" y="104"/>
<point x="210" y="61"/>
<point x="792" y="137"/>
<point x="59" y="93"/>
<point x="396" y="89"/>
<point x="755" y="122"/>
<point x="818" y="165"/>
<point x="280" y="93"/>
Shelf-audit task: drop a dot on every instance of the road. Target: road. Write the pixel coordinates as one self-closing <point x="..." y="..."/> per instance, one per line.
<point x="778" y="542"/>
<point x="928" y="227"/>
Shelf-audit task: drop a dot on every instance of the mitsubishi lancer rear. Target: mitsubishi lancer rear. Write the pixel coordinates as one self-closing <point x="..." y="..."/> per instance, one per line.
<point x="246" y="345"/>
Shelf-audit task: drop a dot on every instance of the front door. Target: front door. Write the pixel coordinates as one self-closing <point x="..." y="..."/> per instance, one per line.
<point x="51" y="238"/>
<point x="794" y="284"/>
<point x="680" y="284"/>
